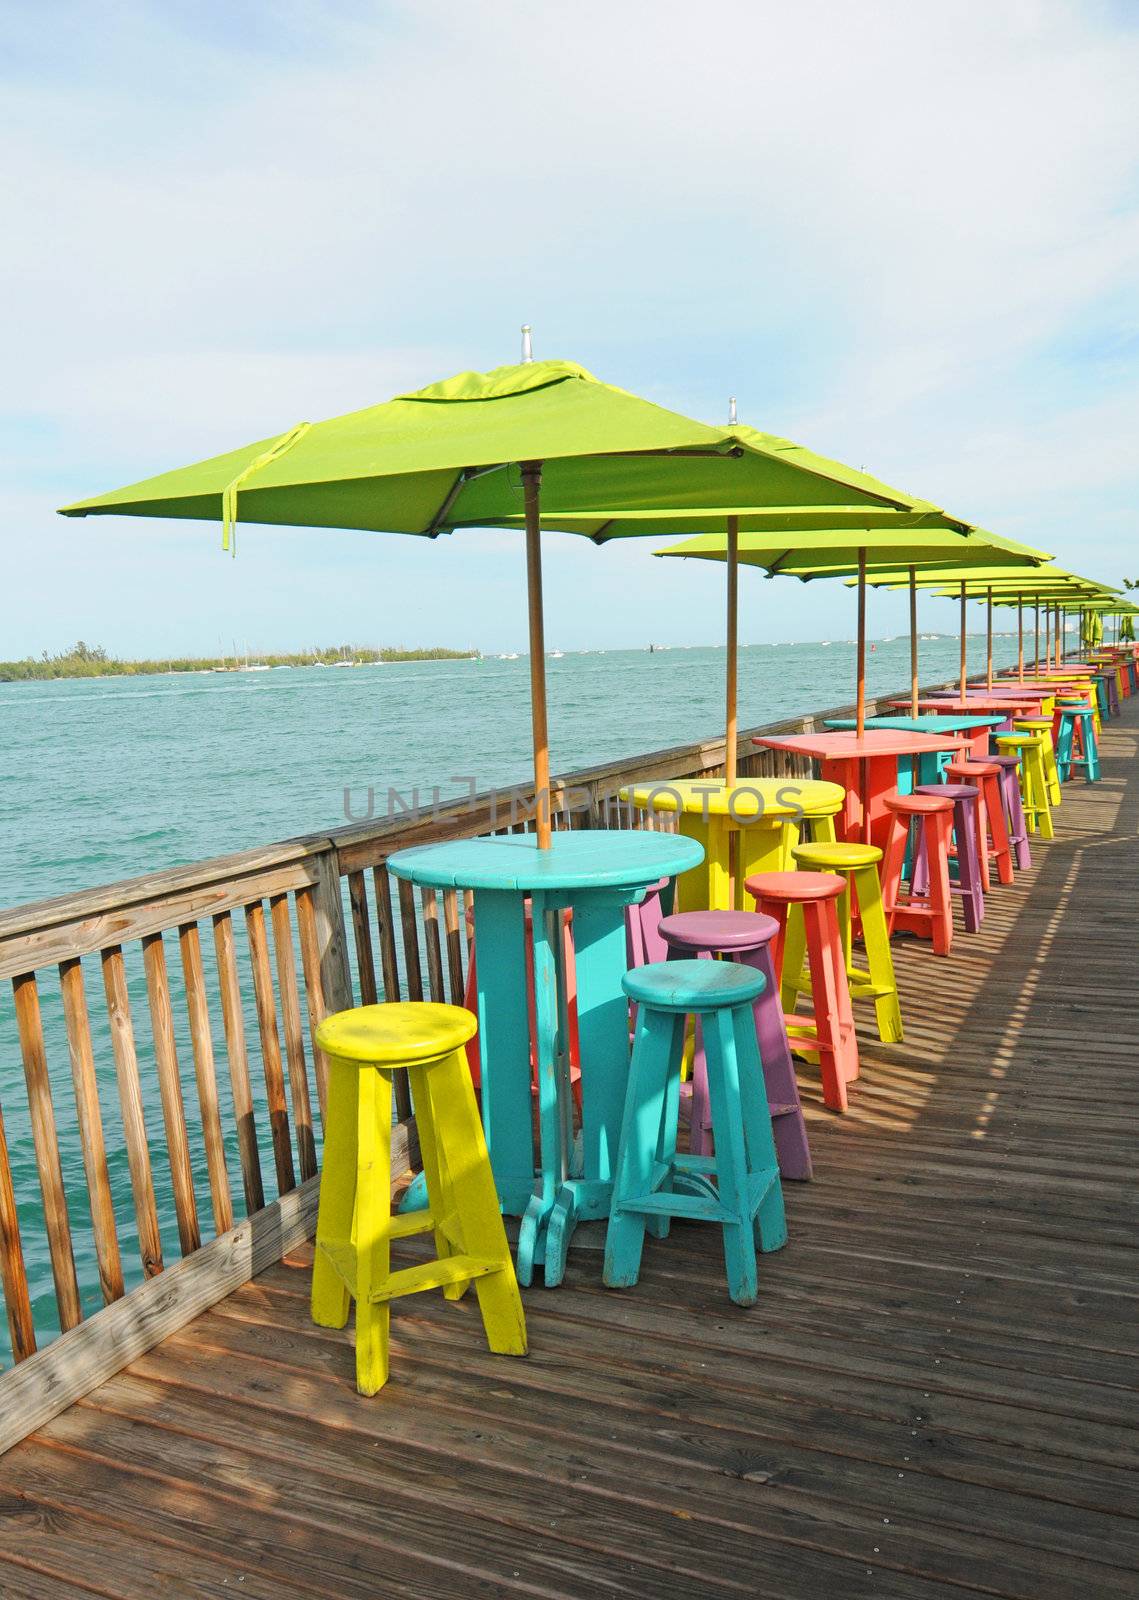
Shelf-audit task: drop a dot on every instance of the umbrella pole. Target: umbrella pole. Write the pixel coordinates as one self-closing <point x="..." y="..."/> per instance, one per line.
<point x="860" y="698"/>
<point x="1047" y="636"/>
<point x="913" y="641"/>
<point x="1020" y="638"/>
<point x="1036" y="645"/>
<point x="964" y="666"/>
<point x="531" y="487"/>
<point x="989" y="641"/>
<point x="731" y="732"/>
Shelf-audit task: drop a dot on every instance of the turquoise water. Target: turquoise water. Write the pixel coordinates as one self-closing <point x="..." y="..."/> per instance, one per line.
<point x="105" y="779"/>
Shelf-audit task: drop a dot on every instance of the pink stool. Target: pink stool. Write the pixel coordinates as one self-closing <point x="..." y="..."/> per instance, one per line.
<point x="745" y="937"/>
<point x="928" y="911"/>
<point x="830" y="1032"/>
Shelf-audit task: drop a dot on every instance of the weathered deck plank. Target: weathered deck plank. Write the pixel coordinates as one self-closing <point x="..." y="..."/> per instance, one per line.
<point x="935" y="1396"/>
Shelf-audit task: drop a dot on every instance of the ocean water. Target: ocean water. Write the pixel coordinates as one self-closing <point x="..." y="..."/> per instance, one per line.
<point x="103" y="779"/>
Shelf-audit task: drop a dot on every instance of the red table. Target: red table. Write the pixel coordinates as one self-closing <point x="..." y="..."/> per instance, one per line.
<point x="1022" y="703"/>
<point x="866" y="768"/>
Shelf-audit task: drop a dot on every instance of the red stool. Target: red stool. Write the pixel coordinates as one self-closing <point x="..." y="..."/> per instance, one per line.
<point x="830" y="1034"/>
<point x="992" y="831"/>
<point x="928" y="913"/>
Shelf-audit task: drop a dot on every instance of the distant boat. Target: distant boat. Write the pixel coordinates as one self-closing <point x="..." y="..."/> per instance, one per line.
<point x="511" y="655"/>
<point x="655" y="648"/>
<point x="556" y="655"/>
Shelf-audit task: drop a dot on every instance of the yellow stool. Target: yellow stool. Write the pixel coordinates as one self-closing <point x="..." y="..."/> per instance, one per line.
<point x="1043" y="726"/>
<point x="858" y="864"/>
<point x="1033" y="778"/>
<point x="355" y="1225"/>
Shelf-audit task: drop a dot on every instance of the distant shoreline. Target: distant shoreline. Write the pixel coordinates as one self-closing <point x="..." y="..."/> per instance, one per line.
<point x="87" y="662"/>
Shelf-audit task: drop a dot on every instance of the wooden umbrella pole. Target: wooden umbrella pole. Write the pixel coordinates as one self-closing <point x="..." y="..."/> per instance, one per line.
<point x="964" y="666"/>
<point x="989" y="640"/>
<point x="1047" y="636"/>
<point x="1036" y="643"/>
<point x="531" y="489"/>
<point x="1058" y="641"/>
<point x="1020" y="638"/>
<point x="913" y="641"/>
<point x="731" y="732"/>
<point x="860" y="699"/>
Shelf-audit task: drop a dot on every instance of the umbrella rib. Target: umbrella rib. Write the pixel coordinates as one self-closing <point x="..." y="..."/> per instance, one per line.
<point x="466" y="475"/>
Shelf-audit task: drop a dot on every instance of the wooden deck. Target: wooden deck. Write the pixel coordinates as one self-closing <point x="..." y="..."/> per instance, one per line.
<point x="935" y="1395"/>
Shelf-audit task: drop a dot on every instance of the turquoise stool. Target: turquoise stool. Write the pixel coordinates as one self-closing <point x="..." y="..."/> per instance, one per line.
<point x="1077" y="731"/>
<point x="739" y="1186"/>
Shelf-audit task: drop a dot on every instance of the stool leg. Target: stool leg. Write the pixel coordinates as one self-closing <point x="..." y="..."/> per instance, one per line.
<point x="788" y="1127"/>
<point x="968" y="866"/>
<point x="937" y="830"/>
<point x="892" y="864"/>
<point x="831" y="998"/>
<point x="731" y="1157"/>
<point x="657" y="1050"/>
<point x="699" y="1133"/>
<point x="980" y="816"/>
<point x="330" y="1297"/>
<point x="794" y="948"/>
<point x="878" y="958"/>
<point x="1039" y="789"/>
<point x="1091" y="771"/>
<point x="373" y="1214"/>
<point x="440" y="1198"/>
<point x="770" y="1227"/>
<point x="995" y="814"/>
<point x="471" y="1184"/>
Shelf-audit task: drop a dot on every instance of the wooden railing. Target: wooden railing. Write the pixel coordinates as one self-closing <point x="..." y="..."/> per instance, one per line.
<point x="213" y="972"/>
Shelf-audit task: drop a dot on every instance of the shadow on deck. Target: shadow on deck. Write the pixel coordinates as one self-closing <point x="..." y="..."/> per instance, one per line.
<point x="934" y="1396"/>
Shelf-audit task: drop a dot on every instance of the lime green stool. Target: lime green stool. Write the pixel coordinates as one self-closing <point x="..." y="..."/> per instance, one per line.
<point x="858" y="865"/>
<point x="1043" y="726"/>
<point x="1029" y="748"/>
<point x="355" y="1226"/>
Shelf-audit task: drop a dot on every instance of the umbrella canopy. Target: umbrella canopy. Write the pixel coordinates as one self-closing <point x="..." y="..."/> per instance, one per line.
<point x="487" y="449"/>
<point x="993" y="583"/>
<point x="879" y="545"/>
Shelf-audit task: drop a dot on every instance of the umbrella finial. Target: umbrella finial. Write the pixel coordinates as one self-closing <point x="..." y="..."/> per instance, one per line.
<point x="732" y="418"/>
<point x="527" y="348"/>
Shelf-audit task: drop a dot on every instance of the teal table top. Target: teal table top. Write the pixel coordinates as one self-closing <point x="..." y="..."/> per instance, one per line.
<point x="926" y="724"/>
<point x="587" y="859"/>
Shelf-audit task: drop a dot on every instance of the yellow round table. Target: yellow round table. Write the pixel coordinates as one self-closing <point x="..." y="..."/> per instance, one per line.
<point x="766" y="817"/>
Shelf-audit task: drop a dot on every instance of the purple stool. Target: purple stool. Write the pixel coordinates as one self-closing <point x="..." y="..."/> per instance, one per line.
<point x="1014" y="810"/>
<point x="968" y="881"/>
<point x="745" y="937"/>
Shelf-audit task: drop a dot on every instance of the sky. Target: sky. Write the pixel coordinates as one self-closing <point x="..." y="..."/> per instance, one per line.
<point x="906" y="235"/>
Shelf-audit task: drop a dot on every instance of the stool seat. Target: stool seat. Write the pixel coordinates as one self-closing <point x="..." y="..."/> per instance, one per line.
<point x="794" y="888"/>
<point x="918" y="805"/>
<point x="951" y="791"/>
<point x="981" y="769"/>
<point x="717" y="930"/>
<point x="693" y="985"/>
<point x="842" y="855"/>
<point x="395" y="1033"/>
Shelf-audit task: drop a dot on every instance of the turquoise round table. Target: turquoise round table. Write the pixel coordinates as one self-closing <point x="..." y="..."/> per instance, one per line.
<point x="596" y="874"/>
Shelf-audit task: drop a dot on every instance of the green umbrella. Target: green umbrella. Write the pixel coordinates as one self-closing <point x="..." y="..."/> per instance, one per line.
<point x="502" y="449"/>
<point x="993" y="582"/>
<point x="837" y="553"/>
